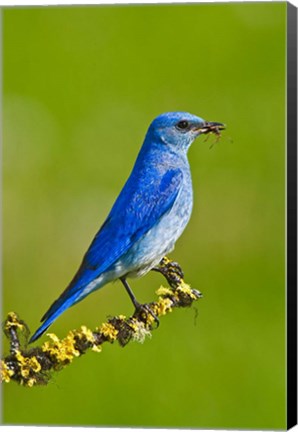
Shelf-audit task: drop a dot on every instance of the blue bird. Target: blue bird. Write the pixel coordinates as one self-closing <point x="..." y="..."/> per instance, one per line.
<point x="148" y="216"/>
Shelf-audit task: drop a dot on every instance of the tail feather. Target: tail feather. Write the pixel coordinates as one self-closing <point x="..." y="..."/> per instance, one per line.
<point x="57" y="308"/>
<point x="74" y="293"/>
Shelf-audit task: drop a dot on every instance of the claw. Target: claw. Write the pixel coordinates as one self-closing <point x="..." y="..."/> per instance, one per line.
<point x="171" y="270"/>
<point x="145" y="308"/>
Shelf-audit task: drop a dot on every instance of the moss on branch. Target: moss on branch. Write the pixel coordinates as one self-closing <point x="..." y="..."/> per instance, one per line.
<point x="31" y="366"/>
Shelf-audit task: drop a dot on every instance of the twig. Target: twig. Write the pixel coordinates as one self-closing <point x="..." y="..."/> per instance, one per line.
<point x="34" y="366"/>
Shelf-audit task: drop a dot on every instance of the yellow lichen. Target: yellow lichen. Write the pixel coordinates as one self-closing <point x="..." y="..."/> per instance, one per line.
<point x="5" y="372"/>
<point x="164" y="305"/>
<point x="150" y="319"/>
<point x="87" y="333"/>
<point x="96" y="348"/>
<point x="53" y="337"/>
<point x="163" y="291"/>
<point x="64" y="350"/>
<point x="109" y="331"/>
<point x="133" y="324"/>
<point x="13" y="321"/>
<point x="165" y="261"/>
<point x="31" y="382"/>
<point x="185" y="289"/>
<point x="27" y="364"/>
<point x="34" y="364"/>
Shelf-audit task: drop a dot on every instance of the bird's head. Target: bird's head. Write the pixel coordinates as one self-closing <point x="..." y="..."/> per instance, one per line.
<point x="180" y="129"/>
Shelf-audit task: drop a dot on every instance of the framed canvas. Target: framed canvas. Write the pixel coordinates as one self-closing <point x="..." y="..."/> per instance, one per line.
<point x="209" y="340"/>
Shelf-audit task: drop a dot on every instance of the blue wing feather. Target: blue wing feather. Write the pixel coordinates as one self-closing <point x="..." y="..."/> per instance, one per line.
<point x="141" y="203"/>
<point x="130" y="219"/>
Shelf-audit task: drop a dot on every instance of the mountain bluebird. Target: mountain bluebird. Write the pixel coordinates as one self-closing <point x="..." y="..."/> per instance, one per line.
<point x="148" y="216"/>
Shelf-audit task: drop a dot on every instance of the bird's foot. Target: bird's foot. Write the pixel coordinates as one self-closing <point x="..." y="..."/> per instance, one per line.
<point x="171" y="270"/>
<point x="143" y="311"/>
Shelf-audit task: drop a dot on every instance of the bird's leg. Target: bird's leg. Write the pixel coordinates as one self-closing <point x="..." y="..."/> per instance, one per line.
<point x="171" y="270"/>
<point x="138" y="306"/>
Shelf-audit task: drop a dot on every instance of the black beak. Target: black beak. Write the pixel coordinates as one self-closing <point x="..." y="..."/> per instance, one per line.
<point x="212" y="127"/>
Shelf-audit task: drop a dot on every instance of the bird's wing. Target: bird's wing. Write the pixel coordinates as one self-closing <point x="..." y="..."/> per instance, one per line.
<point x="128" y="224"/>
<point x="134" y="213"/>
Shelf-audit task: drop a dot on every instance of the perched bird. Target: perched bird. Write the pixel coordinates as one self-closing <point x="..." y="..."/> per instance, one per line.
<point x="148" y="216"/>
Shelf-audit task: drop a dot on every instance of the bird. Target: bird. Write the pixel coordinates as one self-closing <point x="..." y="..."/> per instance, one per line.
<point x="149" y="215"/>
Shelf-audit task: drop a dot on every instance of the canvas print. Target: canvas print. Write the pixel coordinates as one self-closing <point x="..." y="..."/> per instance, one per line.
<point x="144" y="216"/>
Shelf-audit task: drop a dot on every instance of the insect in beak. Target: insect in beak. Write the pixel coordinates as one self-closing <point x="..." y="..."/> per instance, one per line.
<point x="212" y="127"/>
<point x="209" y="128"/>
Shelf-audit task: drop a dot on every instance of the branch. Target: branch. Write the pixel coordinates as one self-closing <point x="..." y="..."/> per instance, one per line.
<point x="35" y="366"/>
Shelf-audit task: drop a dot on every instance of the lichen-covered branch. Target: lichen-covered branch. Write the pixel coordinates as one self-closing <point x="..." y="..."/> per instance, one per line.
<point x="30" y="366"/>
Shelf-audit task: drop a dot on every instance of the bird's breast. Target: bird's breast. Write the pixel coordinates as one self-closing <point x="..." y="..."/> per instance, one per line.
<point x="160" y="239"/>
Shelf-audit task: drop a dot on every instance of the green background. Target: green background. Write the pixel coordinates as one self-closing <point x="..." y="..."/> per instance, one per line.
<point x="81" y="85"/>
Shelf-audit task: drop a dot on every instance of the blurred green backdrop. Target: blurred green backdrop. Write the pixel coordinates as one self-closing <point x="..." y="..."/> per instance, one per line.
<point x="81" y="85"/>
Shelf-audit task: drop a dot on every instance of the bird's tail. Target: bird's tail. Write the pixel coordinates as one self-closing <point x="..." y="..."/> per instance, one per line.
<point x="57" y="308"/>
<point x="75" y="292"/>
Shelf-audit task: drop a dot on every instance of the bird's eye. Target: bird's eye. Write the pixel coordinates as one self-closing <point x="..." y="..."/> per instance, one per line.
<point x="183" y="124"/>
